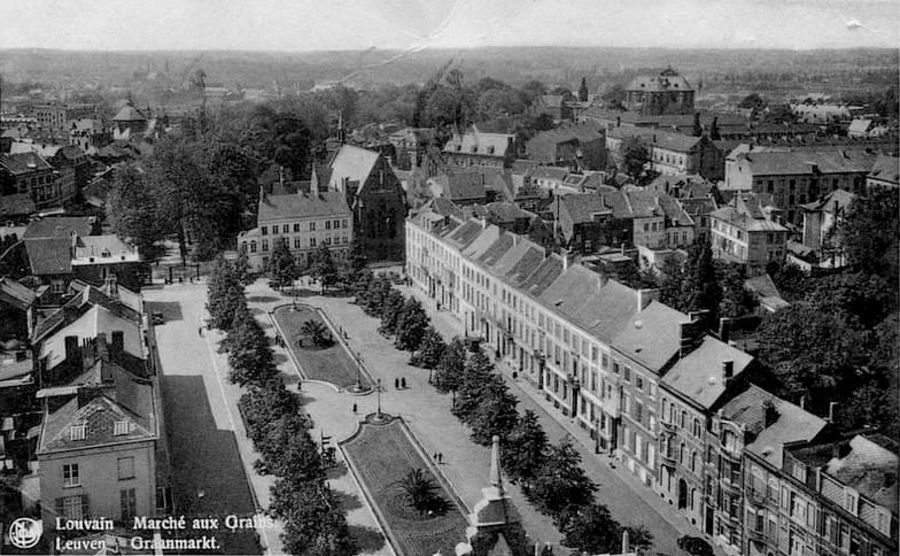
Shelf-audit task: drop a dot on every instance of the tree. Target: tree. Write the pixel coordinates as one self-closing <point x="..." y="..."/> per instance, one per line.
<point x="224" y="295"/>
<point x="314" y="523"/>
<point x="614" y="96"/>
<point x="430" y="350"/>
<point x="249" y="353"/>
<point x="476" y="377"/>
<point x="411" y="325"/>
<point x="322" y="267"/>
<point x="561" y="482"/>
<point x="701" y="290"/>
<point x="360" y="285"/>
<point x="242" y="269"/>
<point x="671" y="281"/>
<point x="282" y="268"/>
<point x="714" y="133"/>
<point x="737" y="300"/>
<point x="639" y="538"/>
<point x="315" y="330"/>
<point x="590" y="529"/>
<point x="262" y="406"/>
<point x="391" y="311"/>
<point x="753" y="101"/>
<point x="811" y="352"/>
<point x="379" y="289"/>
<point x="496" y="414"/>
<point x="132" y="211"/>
<point x="790" y="280"/>
<point x="635" y="156"/>
<point x="449" y="371"/>
<point x="697" y="130"/>
<point x="290" y="452"/>
<point x="583" y="91"/>
<point x="871" y="230"/>
<point x="420" y="491"/>
<point x="356" y="258"/>
<point x="524" y="449"/>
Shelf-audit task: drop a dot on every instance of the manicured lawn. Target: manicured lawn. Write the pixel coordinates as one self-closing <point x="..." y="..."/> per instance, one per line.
<point x="381" y="456"/>
<point x="329" y="364"/>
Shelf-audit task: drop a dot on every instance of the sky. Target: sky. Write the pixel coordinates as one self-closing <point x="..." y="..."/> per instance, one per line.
<point x="307" y="25"/>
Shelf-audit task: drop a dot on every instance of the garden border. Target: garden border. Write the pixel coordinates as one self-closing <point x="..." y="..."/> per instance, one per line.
<point x="297" y="366"/>
<point x="370" y="499"/>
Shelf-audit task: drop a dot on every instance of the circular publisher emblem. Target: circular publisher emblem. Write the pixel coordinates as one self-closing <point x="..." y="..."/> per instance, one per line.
<point x="24" y="533"/>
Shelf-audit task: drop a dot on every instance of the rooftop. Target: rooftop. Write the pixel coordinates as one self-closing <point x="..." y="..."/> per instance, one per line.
<point x="273" y="208"/>
<point x="700" y="375"/>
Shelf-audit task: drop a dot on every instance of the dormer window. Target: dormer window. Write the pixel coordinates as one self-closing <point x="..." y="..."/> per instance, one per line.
<point x="120" y="428"/>
<point x="77" y="431"/>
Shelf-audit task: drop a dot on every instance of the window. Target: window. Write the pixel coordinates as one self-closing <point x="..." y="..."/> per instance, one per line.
<point x="604" y="361"/>
<point x="328" y="224"/>
<point x="627" y="374"/>
<point x="851" y="501"/>
<point x="77" y="431"/>
<point x="297" y="227"/>
<point x="253" y="247"/>
<point x="128" y="502"/>
<point x="344" y="223"/>
<point x="264" y="230"/>
<point x="70" y="475"/>
<point x="312" y="242"/>
<point x="312" y="226"/>
<point x="286" y="228"/>
<point x="345" y="239"/>
<point x="298" y="243"/>
<point x="336" y="224"/>
<point x="126" y="468"/>
<point x="265" y="245"/>
<point x="120" y="428"/>
<point x="639" y="382"/>
<point x="73" y="507"/>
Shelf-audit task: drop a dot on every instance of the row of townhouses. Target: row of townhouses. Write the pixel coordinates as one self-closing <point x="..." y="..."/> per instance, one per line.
<point x="674" y="403"/>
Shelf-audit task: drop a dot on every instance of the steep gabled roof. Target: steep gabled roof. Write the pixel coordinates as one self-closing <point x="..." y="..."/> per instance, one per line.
<point x="59" y="227"/>
<point x="353" y="163"/>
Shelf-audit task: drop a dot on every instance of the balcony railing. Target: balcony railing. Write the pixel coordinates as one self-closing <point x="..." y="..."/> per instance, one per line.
<point x="668" y="459"/>
<point x="754" y="535"/>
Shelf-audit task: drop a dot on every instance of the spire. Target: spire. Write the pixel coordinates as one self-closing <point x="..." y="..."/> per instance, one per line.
<point x="496" y="478"/>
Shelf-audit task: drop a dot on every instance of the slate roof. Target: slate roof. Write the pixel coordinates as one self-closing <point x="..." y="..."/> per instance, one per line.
<point x="445" y="207"/>
<point x="59" y="227"/>
<point x="674" y="211"/>
<point x="792" y="425"/>
<point x="886" y="168"/>
<point x="699" y="375"/>
<point x="667" y="80"/>
<point x="129" y="113"/>
<point x="354" y="163"/>
<point x="746" y="213"/>
<point x="496" y="251"/>
<point x="582" y="207"/>
<point x="284" y="207"/>
<point x="476" y="142"/>
<point x="870" y="469"/>
<point x="545" y="274"/>
<point x="17" y="204"/>
<point x="652" y="338"/>
<point x="799" y="162"/>
<point x="16" y="294"/>
<point x="657" y="138"/>
<point x="49" y="256"/>
<point x="461" y="186"/>
<point x="24" y="163"/>
<point x="124" y="398"/>
<point x="482" y="242"/>
<point x="465" y="234"/>
<point x="72" y="310"/>
<point x="842" y="197"/>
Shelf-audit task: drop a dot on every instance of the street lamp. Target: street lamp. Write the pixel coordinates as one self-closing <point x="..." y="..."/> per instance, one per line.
<point x="358" y="369"/>
<point x="378" y="393"/>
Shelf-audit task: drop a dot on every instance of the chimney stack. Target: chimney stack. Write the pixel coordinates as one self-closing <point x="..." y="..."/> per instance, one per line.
<point x="725" y="329"/>
<point x="690" y="333"/>
<point x="645" y="296"/>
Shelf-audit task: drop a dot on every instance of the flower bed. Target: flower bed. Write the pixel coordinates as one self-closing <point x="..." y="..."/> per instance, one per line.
<point x="329" y="364"/>
<point x="380" y="457"/>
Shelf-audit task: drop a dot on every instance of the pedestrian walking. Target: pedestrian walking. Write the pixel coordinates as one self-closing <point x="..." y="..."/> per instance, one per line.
<point x="397" y="383"/>
<point x="354" y="409"/>
<point x="200" y="331"/>
<point x="440" y="457"/>
<point x="403" y="383"/>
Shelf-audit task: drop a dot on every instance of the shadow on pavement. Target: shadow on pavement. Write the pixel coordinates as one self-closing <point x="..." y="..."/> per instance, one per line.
<point x="171" y="310"/>
<point x="263" y="299"/>
<point x="367" y="540"/>
<point x="339" y="470"/>
<point x="349" y="502"/>
<point x="279" y="358"/>
<point x="207" y="474"/>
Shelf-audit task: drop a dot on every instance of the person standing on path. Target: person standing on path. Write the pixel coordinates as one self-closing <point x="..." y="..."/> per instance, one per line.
<point x="397" y="383"/>
<point x="403" y="383"/>
<point x="354" y="409"/>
